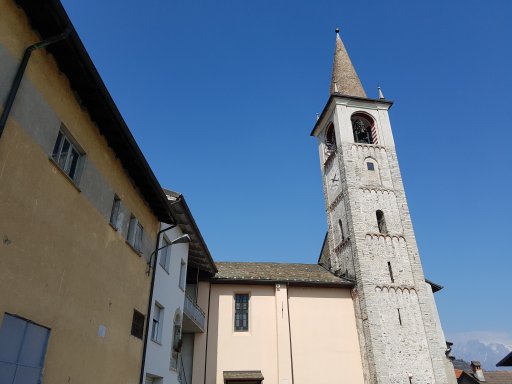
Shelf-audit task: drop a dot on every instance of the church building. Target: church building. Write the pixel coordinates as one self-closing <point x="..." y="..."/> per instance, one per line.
<point x="364" y="313"/>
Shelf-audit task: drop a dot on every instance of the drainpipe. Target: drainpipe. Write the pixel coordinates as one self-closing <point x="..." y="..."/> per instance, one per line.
<point x="151" y="264"/>
<point x="21" y="70"/>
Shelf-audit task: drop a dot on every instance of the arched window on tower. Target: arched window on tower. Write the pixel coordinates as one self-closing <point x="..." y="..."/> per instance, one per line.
<point x="363" y="128"/>
<point x="330" y="138"/>
<point x="381" y="222"/>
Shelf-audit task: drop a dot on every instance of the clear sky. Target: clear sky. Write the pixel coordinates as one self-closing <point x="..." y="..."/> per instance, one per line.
<point x="221" y="97"/>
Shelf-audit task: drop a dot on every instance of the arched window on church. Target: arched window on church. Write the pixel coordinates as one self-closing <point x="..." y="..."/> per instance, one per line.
<point x="330" y="138"/>
<point x="363" y="128"/>
<point x="381" y="222"/>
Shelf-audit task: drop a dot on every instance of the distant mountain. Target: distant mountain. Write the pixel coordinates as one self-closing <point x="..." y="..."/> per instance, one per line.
<point x="487" y="353"/>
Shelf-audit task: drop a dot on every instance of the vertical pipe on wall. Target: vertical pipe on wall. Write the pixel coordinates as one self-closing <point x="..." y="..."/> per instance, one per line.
<point x="21" y="70"/>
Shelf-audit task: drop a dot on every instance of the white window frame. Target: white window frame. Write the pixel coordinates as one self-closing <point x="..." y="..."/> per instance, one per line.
<point x="114" y="213"/>
<point x="183" y="275"/>
<point x="135" y="234"/>
<point x="157" y="322"/>
<point x="64" y="160"/>
<point x="165" y="254"/>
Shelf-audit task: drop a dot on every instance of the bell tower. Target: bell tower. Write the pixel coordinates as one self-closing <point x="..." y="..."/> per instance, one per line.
<point x="371" y="239"/>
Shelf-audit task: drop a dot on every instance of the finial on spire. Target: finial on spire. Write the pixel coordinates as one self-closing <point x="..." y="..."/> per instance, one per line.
<point x="344" y="77"/>
<point x="381" y="95"/>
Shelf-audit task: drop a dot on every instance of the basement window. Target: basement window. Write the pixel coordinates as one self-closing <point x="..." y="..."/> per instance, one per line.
<point x="68" y="155"/>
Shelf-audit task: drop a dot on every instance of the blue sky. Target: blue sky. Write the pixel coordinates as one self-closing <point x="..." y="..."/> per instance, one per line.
<point x="221" y="97"/>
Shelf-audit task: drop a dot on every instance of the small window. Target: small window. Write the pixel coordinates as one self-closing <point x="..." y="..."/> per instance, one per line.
<point x="381" y="222"/>
<point x="183" y="274"/>
<point x="22" y="350"/>
<point x="135" y="232"/>
<point x="156" y="327"/>
<point x="390" y="270"/>
<point x="370" y="166"/>
<point x="399" y="316"/>
<point x="114" y="214"/>
<point x="241" y="312"/>
<point x="165" y="253"/>
<point x="340" y="224"/>
<point x="67" y="155"/>
<point x="138" y="320"/>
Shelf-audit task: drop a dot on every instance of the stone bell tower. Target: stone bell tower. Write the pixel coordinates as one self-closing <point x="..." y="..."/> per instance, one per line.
<point x="371" y="239"/>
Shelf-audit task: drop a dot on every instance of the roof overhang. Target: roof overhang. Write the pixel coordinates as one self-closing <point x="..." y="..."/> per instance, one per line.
<point x="338" y="96"/>
<point x="49" y="18"/>
<point x="295" y="283"/>
<point x="435" y="287"/>
<point x="198" y="254"/>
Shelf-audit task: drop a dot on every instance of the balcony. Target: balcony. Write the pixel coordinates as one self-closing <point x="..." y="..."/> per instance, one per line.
<point x="194" y="319"/>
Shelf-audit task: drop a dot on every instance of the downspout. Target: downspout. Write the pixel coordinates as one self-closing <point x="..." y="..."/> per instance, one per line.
<point x="152" y="264"/>
<point x="289" y="327"/>
<point x="21" y="70"/>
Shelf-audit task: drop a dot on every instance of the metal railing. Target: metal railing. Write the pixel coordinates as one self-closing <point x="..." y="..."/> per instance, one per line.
<point x="194" y="312"/>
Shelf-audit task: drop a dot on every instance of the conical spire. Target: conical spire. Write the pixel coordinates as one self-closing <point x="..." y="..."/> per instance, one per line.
<point x="344" y="77"/>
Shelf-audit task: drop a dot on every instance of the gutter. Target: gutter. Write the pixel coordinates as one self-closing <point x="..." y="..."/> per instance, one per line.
<point x="21" y="71"/>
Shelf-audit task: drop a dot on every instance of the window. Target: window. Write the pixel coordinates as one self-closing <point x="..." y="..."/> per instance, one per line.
<point x="330" y="138"/>
<point x="67" y="156"/>
<point x="22" y="350"/>
<point x="114" y="214"/>
<point x="341" y="230"/>
<point x="370" y="166"/>
<point x="381" y="222"/>
<point x="156" y="328"/>
<point x="165" y="252"/>
<point x="135" y="231"/>
<point x="390" y="270"/>
<point x="183" y="274"/>
<point x="241" y="312"/>
<point x="138" y="324"/>
<point x="363" y="128"/>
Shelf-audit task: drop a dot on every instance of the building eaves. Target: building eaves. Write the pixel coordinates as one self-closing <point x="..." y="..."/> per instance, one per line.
<point x="506" y="361"/>
<point x="49" y="18"/>
<point x="435" y="287"/>
<point x="198" y="254"/>
<point x="270" y="273"/>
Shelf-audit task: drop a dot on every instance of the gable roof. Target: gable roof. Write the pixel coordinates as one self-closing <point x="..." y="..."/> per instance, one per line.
<point x="49" y="18"/>
<point x="270" y="273"/>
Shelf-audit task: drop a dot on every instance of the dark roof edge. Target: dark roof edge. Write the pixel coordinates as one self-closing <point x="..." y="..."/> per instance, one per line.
<point x="435" y="287"/>
<point x="335" y="95"/>
<point x="506" y="361"/>
<point x="341" y="284"/>
<point x="181" y="200"/>
<point x="49" y="18"/>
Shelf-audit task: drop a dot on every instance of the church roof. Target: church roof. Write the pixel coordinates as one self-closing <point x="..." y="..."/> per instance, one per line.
<point x="344" y="77"/>
<point x="290" y="273"/>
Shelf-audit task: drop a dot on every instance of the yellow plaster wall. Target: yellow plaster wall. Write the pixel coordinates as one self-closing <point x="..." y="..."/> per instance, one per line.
<point x="61" y="264"/>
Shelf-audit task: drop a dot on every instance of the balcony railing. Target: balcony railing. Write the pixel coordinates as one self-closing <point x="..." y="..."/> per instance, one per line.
<point x="194" y="312"/>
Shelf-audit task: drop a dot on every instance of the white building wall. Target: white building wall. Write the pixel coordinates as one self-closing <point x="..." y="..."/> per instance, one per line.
<point x="168" y="294"/>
